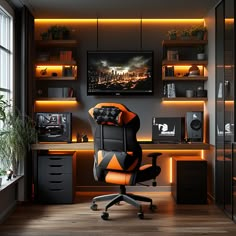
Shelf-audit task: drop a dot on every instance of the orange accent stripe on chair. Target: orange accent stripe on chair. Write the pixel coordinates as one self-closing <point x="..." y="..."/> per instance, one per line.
<point x="100" y="156"/>
<point x="132" y="167"/>
<point x="145" y="167"/>
<point x="114" y="164"/>
<point x="118" y="178"/>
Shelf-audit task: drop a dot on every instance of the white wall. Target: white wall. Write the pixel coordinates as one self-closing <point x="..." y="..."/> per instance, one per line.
<point x="210" y="105"/>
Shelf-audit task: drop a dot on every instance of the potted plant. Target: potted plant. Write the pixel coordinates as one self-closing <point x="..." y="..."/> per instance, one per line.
<point x="58" y="32"/>
<point x="172" y="34"/>
<point x="44" y="35"/>
<point x="199" y="32"/>
<point x="55" y="32"/>
<point x="65" y="32"/>
<point x="185" y="34"/>
<point x="16" y="135"/>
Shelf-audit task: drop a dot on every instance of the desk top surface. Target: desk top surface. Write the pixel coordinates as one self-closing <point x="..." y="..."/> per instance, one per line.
<point x="145" y="146"/>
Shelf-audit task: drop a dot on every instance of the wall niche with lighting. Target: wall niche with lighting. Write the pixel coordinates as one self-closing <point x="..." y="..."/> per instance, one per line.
<point x="183" y="71"/>
<point x="55" y="61"/>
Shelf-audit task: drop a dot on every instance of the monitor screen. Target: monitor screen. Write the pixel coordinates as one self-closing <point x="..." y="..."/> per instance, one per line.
<point x="119" y="72"/>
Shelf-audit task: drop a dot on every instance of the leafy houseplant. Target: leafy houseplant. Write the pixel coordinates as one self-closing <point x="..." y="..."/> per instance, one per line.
<point x="199" y="32"/>
<point x="17" y="134"/>
<point x="172" y="34"/>
<point x="58" y="32"/>
<point x="185" y="34"/>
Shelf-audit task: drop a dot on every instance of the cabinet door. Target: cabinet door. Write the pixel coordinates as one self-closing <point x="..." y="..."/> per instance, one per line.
<point x="225" y="113"/>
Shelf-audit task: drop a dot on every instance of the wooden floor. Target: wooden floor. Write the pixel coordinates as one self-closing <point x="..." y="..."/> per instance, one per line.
<point x="77" y="219"/>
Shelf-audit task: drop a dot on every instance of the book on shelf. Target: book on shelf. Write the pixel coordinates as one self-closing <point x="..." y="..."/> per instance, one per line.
<point x="65" y="55"/>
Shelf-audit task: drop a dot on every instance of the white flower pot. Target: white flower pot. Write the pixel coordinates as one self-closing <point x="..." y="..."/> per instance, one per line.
<point x="201" y="56"/>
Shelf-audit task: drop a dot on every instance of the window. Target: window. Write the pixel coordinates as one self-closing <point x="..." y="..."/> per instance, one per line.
<point x="6" y="54"/>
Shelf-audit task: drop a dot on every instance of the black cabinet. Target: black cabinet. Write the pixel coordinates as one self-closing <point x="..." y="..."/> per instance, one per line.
<point x="189" y="183"/>
<point x="55" y="178"/>
<point x="225" y="108"/>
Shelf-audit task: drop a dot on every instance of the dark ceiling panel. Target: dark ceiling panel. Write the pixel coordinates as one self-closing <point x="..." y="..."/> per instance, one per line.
<point x="120" y="8"/>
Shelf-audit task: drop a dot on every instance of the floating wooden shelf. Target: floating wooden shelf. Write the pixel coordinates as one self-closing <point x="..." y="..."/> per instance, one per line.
<point x="184" y="62"/>
<point x="56" y="43"/>
<point x="57" y="78"/>
<point x="56" y="99"/>
<point x="56" y="63"/>
<point x="186" y="78"/>
<point x="185" y="99"/>
<point x="184" y="42"/>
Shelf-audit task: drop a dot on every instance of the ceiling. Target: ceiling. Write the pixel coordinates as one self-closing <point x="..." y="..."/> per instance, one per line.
<point x="119" y="8"/>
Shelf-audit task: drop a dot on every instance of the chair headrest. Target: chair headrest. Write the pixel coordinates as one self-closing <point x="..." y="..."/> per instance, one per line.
<point x="111" y="114"/>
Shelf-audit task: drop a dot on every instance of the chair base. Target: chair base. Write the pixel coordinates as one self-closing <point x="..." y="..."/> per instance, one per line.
<point x="123" y="196"/>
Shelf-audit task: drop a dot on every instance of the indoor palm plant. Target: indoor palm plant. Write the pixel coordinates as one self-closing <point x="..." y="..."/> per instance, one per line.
<point x="16" y="135"/>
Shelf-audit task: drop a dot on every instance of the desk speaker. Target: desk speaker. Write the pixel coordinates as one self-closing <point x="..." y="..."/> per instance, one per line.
<point x="194" y="126"/>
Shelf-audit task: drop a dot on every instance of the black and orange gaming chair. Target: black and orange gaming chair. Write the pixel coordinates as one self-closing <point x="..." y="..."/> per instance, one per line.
<point x="118" y="155"/>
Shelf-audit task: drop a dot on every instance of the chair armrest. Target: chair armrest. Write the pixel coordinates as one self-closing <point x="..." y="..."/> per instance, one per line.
<point x="154" y="156"/>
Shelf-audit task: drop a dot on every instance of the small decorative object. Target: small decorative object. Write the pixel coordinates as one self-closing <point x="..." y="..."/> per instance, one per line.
<point x="171" y="90"/>
<point x="189" y="93"/>
<point x="9" y="174"/>
<point x="172" y="34"/>
<point x="172" y="55"/>
<point x="43" y="72"/>
<point x="194" y="71"/>
<point x="84" y="138"/>
<point x="200" y="53"/>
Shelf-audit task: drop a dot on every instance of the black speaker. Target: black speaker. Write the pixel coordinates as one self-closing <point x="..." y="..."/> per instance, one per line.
<point x="194" y="126"/>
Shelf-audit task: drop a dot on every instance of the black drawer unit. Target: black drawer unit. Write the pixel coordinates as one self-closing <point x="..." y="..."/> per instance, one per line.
<point x="56" y="178"/>
<point x="189" y="180"/>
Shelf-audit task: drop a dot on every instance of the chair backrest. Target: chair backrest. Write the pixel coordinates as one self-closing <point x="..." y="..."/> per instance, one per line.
<point x="114" y="129"/>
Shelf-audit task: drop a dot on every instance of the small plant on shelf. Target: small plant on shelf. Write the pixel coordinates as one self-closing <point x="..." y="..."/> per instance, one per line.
<point x="185" y="34"/>
<point x="199" y="32"/>
<point x="172" y="34"/>
<point x="58" y="32"/>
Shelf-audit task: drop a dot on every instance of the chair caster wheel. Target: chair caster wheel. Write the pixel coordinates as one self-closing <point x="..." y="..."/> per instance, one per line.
<point x="105" y="215"/>
<point x="152" y="207"/>
<point x="94" y="207"/>
<point x="140" y="215"/>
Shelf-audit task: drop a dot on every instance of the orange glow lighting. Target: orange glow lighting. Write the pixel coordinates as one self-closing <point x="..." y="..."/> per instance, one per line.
<point x="187" y="102"/>
<point x="202" y="154"/>
<point x="177" y="21"/>
<point x="170" y="170"/>
<point x="57" y="102"/>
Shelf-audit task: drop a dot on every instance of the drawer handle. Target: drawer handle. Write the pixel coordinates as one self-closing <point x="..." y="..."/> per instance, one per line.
<point x="55" y="182"/>
<point x="54" y="158"/>
<point x="56" y="189"/>
<point x="56" y="165"/>
<point x="55" y="173"/>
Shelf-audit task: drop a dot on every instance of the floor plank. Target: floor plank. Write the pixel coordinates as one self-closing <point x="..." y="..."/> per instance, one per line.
<point x="169" y="219"/>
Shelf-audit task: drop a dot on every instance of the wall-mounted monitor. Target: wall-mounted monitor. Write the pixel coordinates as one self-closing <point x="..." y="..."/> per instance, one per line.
<point x="119" y="72"/>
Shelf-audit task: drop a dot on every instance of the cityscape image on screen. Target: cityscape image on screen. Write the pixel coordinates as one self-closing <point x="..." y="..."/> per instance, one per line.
<point x="119" y="73"/>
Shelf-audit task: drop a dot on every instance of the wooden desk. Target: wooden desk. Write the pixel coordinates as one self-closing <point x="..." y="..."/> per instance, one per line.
<point x="145" y="146"/>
